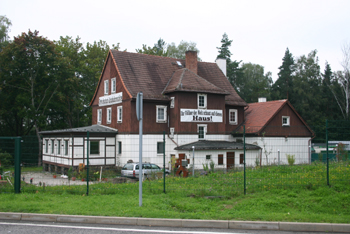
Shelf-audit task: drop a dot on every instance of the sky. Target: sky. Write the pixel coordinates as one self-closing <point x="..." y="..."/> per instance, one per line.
<point x="260" y="30"/>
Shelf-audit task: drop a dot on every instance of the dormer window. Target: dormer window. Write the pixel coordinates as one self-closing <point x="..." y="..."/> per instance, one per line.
<point x="161" y="114"/>
<point x="202" y="101"/>
<point x="106" y="88"/>
<point x="233" y="116"/>
<point x="285" y="121"/>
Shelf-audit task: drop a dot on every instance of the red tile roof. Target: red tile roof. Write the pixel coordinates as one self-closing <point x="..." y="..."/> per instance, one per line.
<point x="151" y="75"/>
<point x="259" y="114"/>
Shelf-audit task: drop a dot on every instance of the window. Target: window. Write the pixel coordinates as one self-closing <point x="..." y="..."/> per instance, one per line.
<point x="207" y="157"/>
<point x="109" y="115"/>
<point x="94" y="147"/>
<point x="52" y="146"/>
<point x="160" y="147"/>
<point x="119" y="147"/>
<point x="99" y="116"/>
<point x="220" y="159"/>
<point x="172" y="102"/>
<point x="66" y="142"/>
<point x="201" y="128"/>
<point x="58" y="147"/>
<point x="241" y="158"/>
<point x="233" y="117"/>
<point x="202" y="101"/>
<point x="113" y="85"/>
<point x="285" y="121"/>
<point x="106" y="87"/>
<point x="46" y="146"/>
<point x="120" y="114"/>
<point x="161" y="114"/>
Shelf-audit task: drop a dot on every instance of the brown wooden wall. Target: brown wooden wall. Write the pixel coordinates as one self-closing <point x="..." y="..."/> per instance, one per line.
<point x="296" y="128"/>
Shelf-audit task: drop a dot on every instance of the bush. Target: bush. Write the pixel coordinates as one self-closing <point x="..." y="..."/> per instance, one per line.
<point x="6" y="159"/>
<point x="291" y="159"/>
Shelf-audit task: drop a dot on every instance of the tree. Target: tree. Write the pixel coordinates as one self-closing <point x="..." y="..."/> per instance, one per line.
<point x="306" y="93"/>
<point x="254" y="83"/>
<point x="179" y="51"/>
<point x="162" y="49"/>
<point x="5" y="24"/>
<point x="31" y="72"/>
<point x="158" y="49"/>
<point x="283" y="86"/>
<point x="234" y="71"/>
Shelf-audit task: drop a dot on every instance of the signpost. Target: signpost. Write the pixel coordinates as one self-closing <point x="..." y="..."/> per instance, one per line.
<point x="139" y="114"/>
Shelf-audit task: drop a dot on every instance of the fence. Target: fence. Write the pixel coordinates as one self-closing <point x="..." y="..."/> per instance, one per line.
<point x="221" y="164"/>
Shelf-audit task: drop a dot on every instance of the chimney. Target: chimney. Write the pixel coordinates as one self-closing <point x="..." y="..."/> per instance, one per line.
<point x="262" y="99"/>
<point x="221" y="62"/>
<point x="191" y="61"/>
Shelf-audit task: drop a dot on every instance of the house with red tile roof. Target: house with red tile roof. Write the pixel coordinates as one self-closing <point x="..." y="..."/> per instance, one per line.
<point x="279" y="130"/>
<point x="192" y="103"/>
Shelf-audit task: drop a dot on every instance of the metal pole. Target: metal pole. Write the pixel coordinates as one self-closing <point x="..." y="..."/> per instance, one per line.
<point x="245" y="189"/>
<point x="87" y="163"/>
<point x="140" y="146"/>
<point x="164" y="161"/>
<point x="327" y="152"/>
<point x="193" y="161"/>
<point x="278" y="157"/>
<point x="17" y="164"/>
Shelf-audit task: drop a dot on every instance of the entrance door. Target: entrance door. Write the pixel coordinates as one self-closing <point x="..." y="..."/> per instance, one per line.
<point x="230" y="160"/>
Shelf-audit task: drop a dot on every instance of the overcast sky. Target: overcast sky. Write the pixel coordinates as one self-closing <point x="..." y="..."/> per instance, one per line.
<point x="261" y="30"/>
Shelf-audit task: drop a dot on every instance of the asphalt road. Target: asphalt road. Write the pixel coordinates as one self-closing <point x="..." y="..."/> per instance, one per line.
<point x="9" y="226"/>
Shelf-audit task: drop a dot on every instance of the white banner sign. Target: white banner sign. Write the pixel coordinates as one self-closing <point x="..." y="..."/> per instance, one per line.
<point x="111" y="99"/>
<point x="199" y="115"/>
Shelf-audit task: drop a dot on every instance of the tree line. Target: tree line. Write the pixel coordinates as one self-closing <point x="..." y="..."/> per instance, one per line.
<point x="47" y="85"/>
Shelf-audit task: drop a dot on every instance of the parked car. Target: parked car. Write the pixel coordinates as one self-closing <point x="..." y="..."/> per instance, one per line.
<point x="131" y="170"/>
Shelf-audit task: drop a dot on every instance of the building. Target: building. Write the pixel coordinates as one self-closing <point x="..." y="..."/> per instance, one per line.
<point x="191" y="102"/>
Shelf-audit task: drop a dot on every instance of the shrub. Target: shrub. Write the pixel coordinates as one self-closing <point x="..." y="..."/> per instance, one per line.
<point x="6" y="159"/>
<point x="291" y="159"/>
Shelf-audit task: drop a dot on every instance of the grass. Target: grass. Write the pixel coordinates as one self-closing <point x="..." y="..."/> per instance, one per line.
<point x="275" y="193"/>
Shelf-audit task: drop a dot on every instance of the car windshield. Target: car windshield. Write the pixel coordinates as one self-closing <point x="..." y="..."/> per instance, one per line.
<point x="155" y="167"/>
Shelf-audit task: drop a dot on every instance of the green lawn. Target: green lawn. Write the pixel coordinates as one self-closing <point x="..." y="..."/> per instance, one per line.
<point x="289" y="193"/>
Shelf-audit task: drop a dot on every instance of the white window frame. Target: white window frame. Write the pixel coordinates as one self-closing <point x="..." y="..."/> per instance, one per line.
<point x="52" y="146"/>
<point x="172" y="102"/>
<point x="165" y="114"/>
<point x="66" y="147"/>
<point x="113" y="85"/>
<point x="204" y="131"/>
<point x="106" y="87"/>
<point x="99" y="116"/>
<point x="205" y="100"/>
<point x="287" y="118"/>
<point x="236" y="116"/>
<point x="59" y="147"/>
<point x="120" y="114"/>
<point x="109" y="115"/>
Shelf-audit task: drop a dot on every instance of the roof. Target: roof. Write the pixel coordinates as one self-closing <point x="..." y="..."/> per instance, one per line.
<point x="259" y="114"/>
<point x="186" y="80"/>
<point x="156" y="76"/>
<point x="217" y="145"/>
<point x="91" y="129"/>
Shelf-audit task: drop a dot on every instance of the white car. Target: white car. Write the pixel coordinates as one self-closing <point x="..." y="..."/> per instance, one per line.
<point x="131" y="170"/>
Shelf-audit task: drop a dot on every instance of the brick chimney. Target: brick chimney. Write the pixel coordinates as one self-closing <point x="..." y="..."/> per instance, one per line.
<point x="191" y="61"/>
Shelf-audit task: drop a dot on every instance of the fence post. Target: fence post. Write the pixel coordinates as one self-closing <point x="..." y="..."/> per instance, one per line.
<point x="17" y="164"/>
<point x="164" y="161"/>
<point x="87" y="162"/>
<point x="327" y="152"/>
<point x="245" y="189"/>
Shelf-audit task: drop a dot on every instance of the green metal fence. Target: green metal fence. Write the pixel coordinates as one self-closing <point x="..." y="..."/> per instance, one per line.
<point x="248" y="175"/>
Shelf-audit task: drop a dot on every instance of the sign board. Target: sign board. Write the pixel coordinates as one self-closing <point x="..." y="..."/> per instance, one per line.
<point x="110" y="99"/>
<point x="139" y="106"/>
<point x="201" y="115"/>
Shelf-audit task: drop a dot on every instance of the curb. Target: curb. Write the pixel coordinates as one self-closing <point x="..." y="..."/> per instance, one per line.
<point x="185" y="223"/>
